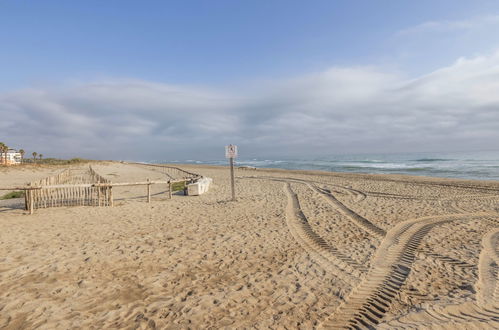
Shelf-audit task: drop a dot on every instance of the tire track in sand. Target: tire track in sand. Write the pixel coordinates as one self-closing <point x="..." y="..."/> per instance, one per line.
<point x="366" y="225"/>
<point x="451" y="264"/>
<point x="407" y="236"/>
<point x="451" y="204"/>
<point x="331" y="258"/>
<point x="363" y="223"/>
<point x="481" y="314"/>
<point x="455" y="203"/>
<point x="488" y="268"/>
<point x="357" y="195"/>
<point x="371" y="299"/>
<point x="360" y="221"/>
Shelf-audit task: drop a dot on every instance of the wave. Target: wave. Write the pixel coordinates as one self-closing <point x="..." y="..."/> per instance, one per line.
<point x="472" y="166"/>
<point x="377" y="165"/>
<point x="389" y="168"/>
<point x="432" y="160"/>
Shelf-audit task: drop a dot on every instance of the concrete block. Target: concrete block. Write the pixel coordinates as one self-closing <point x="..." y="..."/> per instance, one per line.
<point x="199" y="187"/>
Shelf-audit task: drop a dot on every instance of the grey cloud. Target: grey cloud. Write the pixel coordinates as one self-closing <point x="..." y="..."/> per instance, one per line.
<point x="359" y="109"/>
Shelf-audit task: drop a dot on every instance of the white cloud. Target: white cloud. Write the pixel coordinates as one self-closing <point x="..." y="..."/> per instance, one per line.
<point x="452" y="26"/>
<point x="357" y="109"/>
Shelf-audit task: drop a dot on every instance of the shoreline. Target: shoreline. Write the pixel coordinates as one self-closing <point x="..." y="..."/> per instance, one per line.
<point x="369" y="176"/>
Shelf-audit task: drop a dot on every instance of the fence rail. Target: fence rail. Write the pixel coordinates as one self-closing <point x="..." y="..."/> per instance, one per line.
<point x="82" y="185"/>
<point x="171" y="171"/>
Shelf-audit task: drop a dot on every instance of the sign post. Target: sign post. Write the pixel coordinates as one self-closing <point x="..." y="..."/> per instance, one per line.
<point x="231" y="153"/>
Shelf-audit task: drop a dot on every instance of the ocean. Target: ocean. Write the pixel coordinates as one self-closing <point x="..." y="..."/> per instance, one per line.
<point x="478" y="165"/>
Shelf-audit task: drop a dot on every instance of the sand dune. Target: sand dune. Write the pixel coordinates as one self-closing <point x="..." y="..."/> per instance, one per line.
<point x="297" y="250"/>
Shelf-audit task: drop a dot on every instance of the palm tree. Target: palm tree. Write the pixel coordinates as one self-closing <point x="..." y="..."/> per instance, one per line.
<point x="41" y="156"/>
<point x="22" y="152"/>
<point x="34" y="156"/>
<point x="3" y="150"/>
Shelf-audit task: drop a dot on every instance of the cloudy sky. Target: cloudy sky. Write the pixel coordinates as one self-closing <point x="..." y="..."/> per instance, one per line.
<point x="154" y="80"/>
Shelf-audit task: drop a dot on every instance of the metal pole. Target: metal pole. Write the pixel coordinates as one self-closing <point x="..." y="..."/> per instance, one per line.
<point x="232" y="178"/>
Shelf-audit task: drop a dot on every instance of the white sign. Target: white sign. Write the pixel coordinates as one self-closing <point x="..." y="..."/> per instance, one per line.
<point x="230" y="151"/>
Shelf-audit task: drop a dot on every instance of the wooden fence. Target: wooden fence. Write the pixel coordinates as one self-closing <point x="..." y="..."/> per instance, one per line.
<point x="172" y="172"/>
<point x="69" y="188"/>
<point x="85" y="187"/>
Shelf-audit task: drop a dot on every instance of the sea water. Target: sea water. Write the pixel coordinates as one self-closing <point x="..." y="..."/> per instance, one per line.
<point x="478" y="165"/>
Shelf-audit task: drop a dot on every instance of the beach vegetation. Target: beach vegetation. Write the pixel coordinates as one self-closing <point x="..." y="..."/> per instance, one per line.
<point x="57" y="161"/>
<point x="177" y="186"/>
<point x="3" y="152"/>
<point x="13" y="194"/>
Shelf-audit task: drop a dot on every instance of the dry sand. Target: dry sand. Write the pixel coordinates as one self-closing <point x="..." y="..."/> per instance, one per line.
<point x="297" y="250"/>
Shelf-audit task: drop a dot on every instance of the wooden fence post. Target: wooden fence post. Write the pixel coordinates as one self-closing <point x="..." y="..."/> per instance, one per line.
<point x="170" y="189"/>
<point x="111" y="201"/>
<point x="26" y="199"/>
<point x="148" y="191"/>
<point x="30" y="201"/>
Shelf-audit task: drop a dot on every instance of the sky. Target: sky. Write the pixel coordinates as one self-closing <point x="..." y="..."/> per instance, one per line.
<point x="176" y="80"/>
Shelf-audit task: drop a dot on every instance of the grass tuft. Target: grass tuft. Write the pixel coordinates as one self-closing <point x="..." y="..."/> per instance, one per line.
<point x="177" y="186"/>
<point x="13" y="194"/>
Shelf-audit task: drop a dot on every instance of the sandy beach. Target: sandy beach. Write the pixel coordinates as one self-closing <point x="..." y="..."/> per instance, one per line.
<point x="297" y="250"/>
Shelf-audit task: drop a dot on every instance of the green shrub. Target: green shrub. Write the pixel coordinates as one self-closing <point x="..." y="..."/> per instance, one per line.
<point x="55" y="161"/>
<point x="13" y="194"/>
<point x="178" y="186"/>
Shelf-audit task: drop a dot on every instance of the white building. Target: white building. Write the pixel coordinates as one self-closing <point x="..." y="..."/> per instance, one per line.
<point x="13" y="158"/>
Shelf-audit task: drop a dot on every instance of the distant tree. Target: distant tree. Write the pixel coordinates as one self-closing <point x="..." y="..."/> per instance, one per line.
<point x="41" y="156"/>
<point x="3" y="150"/>
<point x="34" y="156"/>
<point x="22" y="152"/>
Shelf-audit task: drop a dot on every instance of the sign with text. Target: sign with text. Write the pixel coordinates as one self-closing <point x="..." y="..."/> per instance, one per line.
<point x="231" y="151"/>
